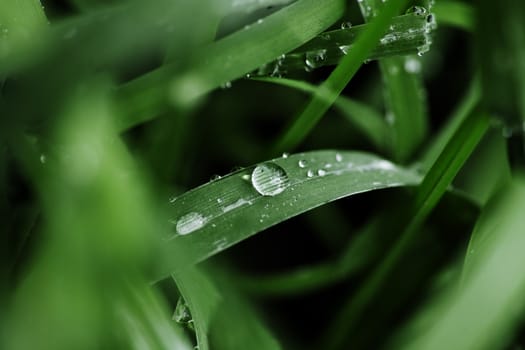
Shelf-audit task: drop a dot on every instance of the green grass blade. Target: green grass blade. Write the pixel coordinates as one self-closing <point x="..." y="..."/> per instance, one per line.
<point x="434" y="185"/>
<point x="455" y="14"/>
<point x="202" y="299"/>
<point x="364" y="118"/>
<point x="486" y="310"/>
<point x="221" y="213"/>
<point x="405" y="98"/>
<point x="225" y="60"/>
<point x="338" y="79"/>
<point x="405" y="36"/>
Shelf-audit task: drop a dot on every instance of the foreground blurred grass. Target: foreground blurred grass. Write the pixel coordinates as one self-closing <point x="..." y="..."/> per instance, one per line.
<point x="88" y="224"/>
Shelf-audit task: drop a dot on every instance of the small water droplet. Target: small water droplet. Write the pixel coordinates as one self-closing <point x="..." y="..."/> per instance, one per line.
<point x="310" y="173"/>
<point x="215" y="177"/>
<point x="182" y="313"/>
<point x="226" y="85"/>
<point x="219" y="200"/>
<point x="388" y="38"/>
<point x="321" y="172"/>
<point x="338" y="157"/>
<point x="247" y="75"/>
<point x="269" y="179"/>
<point x="285" y="155"/>
<point x="43" y="158"/>
<point x="314" y="59"/>
<point x="325" y="36"/>
<point x="190" y="222"/>
<point x="246" y="177"/>
<point x="417" y="11"/>
<point x="259" y="21"/>
<point x="345" y="48"/>
<point x="346" y="25"/>
<point x="302" y="163"/>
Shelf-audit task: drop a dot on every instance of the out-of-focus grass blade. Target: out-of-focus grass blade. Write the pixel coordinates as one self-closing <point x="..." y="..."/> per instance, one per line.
<point x="431" y="190"/>
<point x="486" y="309"/>
<point x="202" y="299"/>
<point x="227" y="59"/>
<point x="455" y="14"/>
<point x="363" y="117"/>
<point x="403" y="83"/>
<point x="20" y="23"/>
<point x="210" y="218"/>
<point x="145" y="321"/>
<point x="221" y="321"/>
<point x="338" y="79"/>
<point x="100" y="231"/>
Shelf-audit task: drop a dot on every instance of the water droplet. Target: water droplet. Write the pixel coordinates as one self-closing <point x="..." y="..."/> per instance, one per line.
<point x="190" y="222"/>
<point x="388" y="38"/>
<point x="346" y="25"/>
<point x="259" y="21"/>
<point x="302" y="163"/>
<point x="226" y="85"/>
<point x="269" y="179"/>
<point x="246" y="177"/>
<point x="43" y="158"/>
<point x="219" y="200"/>
<point x="321" y="172"/>
<point x="412" y="65"/>
<point x="314" y="59"/>
<point x="215" y="177"/>
<point x="310" y="173"/>
<point x="247" y="75"/>
<point x="345" y="48"/>
<point x="325" y="36"/>
<point x="338" y="157"/>
<point x="286" y="155"/>
<point x="417" y="10"/>
<point x="182" y="313"/>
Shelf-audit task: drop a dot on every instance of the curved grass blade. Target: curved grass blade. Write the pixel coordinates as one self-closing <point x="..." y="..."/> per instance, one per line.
<point x="405" y="98"/>
<point x="431" y="190"/>
<point x="405" y="35"/>
<point x="363" y="117"/>
<point x="338" y="79"/>
<point x="227" y="59"/>
<point x="214" y="216"/>
<point x="488" y="307"/>
<point x="202" y="299"/>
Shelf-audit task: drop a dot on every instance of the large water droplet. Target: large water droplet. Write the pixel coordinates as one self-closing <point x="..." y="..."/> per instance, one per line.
<point x="182" y="313"/>
<point x="269" y="179"/>
<point x="189" y="223"/>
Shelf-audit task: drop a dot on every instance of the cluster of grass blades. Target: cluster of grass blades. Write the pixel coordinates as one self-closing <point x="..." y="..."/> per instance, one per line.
<point x="371" y="188"/>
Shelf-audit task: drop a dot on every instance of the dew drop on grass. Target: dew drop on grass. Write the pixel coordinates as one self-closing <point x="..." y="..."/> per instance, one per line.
<point x="344" y="49"/>
<point x="314" y="59"/>
<point x="226" y="85"/>
<point x="269" y="179"/>
<point x="346" y="25"/>
<point x="412" y="65"/>
<point x="43" y="158"/>
<point x="285" y="155"/>
<point x="302" y="163"/>
<point x="190" y="222"/>
<point x="417" y="10"/>
<point x="310" y="173"/>
<point x="338" y="157"/>
<point x="321" y="172"/>
<point x="182" y="312"/>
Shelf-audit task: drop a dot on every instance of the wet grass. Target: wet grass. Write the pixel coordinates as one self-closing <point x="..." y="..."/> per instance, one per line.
<point x="262" y="175"/>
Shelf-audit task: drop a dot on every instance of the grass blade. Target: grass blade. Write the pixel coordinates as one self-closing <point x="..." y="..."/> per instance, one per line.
<point x="338" y="79"/>
<point x="216" y="215"/>
<point x="434" y="185"/>
<point x="363" y="117"/>
<point x="225" y="60"/>
<point x="455" y="14"/>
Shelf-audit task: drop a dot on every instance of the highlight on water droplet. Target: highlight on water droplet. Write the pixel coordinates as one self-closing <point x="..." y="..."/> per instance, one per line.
<point x="269" y="179"/>
<point x="182" y="313"/>
<point x="302" y="163"/>
<point x="338" y="157"/>
<point x="412" y="65"/>
<point x="310" y="173"/>
<point x="190" y="222"/>
<point x="314" y="59"/>
<point x="346" y="25"/>
<point x="285" y="154"/>
<point x="321" y="172"/>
